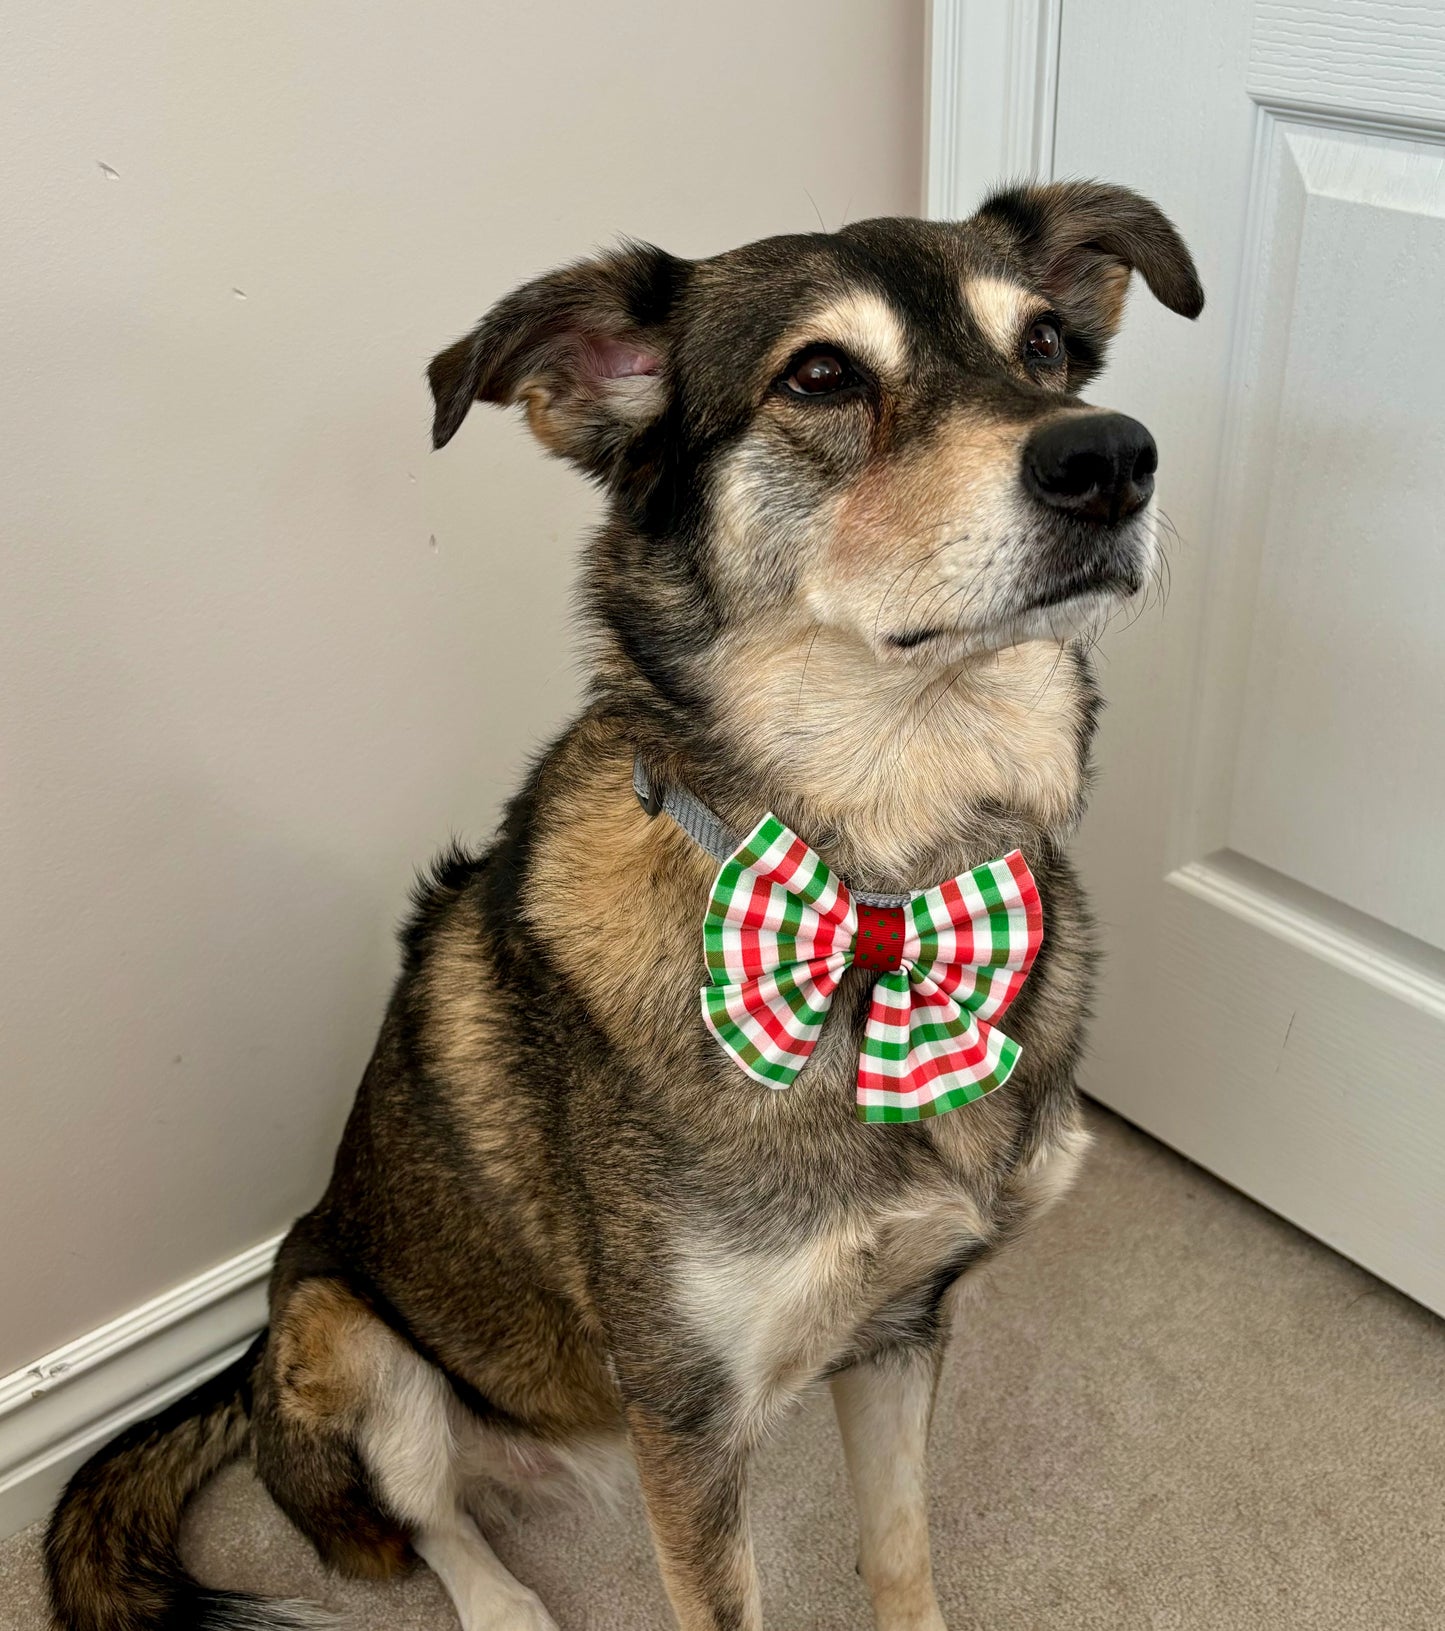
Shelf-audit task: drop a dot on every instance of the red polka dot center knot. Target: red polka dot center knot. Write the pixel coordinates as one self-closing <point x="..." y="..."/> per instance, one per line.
<point x="879" y="945"/>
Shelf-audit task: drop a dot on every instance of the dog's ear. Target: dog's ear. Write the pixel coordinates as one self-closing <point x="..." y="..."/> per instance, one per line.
<point x="585" y="348"/>
<point x="1082" y="239"/>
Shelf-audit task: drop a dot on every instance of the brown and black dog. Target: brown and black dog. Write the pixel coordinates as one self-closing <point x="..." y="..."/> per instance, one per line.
<point x="860" y="533"/>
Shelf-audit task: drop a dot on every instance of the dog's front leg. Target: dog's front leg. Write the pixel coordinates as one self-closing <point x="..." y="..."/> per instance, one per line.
<point x="694" y="1484"/>
<point x="883" y="1408"/>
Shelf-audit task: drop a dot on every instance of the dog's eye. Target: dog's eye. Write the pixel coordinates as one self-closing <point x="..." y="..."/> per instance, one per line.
<point x="1044" y="341"/>
<point x="818" y="371"/>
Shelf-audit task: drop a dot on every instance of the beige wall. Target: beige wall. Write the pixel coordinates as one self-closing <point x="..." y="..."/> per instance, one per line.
<point x="260" y="652"/>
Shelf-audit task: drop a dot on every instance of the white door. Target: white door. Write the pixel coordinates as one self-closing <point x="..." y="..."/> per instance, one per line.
<point x="1266" y="847"/>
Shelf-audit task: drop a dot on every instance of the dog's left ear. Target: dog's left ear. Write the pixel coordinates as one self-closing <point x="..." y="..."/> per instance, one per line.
<point x="1082" y="239"/>
<point x="585" y="348"/>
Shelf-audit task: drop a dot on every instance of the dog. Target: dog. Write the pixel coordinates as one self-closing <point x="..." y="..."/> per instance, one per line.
<point x="861" y="532"/>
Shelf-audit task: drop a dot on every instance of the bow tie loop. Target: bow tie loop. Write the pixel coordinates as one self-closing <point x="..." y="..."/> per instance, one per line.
<point x="781" y="928"/>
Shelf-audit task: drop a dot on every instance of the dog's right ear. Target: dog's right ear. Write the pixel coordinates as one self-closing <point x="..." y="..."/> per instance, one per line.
<point x="1080" y="241"/>
<point x="584" y="348"/>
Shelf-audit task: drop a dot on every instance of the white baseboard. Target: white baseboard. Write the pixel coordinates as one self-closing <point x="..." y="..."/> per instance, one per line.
<point x="58" y="1410"/>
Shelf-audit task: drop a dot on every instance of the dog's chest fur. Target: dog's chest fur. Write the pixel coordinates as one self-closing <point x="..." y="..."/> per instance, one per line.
<point x="776" y="1316"/>
<point x="787" y="1236"/>
<point x="844" y="1237"/>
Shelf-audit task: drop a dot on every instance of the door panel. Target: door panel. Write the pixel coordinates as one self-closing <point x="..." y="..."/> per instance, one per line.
<point x="1266" y="845"/>
<point x="1350" y="608"/>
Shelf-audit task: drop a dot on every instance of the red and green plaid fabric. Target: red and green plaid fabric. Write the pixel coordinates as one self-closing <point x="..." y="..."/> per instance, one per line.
<point x="780" y="929"/>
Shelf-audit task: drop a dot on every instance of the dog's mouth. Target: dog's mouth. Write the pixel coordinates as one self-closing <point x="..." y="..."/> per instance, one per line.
<point x="1117" y="583"/>
<point x="916" y="637"/>
<point x="1077" y="589"/>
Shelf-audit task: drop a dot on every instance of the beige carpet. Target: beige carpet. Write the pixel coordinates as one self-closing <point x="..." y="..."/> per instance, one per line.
<point x="1170" y="1410"/>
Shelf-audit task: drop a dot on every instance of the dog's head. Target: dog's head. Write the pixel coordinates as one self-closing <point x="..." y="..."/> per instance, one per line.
<point x="876" y="432"/>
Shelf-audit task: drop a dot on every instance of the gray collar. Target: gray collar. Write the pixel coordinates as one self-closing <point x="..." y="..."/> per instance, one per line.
<point x="709" y="831"/>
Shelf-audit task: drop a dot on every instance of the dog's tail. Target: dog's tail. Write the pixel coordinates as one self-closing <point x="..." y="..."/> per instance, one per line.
<point x="111" y="1553"/>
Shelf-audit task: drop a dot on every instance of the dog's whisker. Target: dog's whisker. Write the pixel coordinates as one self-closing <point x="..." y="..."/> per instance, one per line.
<point x="1043" y="689"/>
<point x="807" y="658"/>
<point x="916" y="568"/>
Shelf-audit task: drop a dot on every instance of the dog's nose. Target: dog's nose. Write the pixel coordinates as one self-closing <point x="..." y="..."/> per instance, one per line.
<point x="1099" y="466"/>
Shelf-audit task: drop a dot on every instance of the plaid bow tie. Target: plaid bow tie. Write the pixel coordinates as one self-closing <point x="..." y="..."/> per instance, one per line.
<point x="780" y="929"/>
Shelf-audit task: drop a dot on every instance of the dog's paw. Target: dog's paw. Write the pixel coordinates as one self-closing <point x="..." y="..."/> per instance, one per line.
<point x="928" y="1620"/>
<point x="516" y="1611"/>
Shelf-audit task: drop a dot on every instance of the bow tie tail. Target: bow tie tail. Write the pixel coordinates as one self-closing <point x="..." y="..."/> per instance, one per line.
<point x="771" y="1024"/>
<point x="924" y="1055"/>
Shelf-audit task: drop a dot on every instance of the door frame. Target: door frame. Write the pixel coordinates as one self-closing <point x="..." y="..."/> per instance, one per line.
<point x="993" y="76"/>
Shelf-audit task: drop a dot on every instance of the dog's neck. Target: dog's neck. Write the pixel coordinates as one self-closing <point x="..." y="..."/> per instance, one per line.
<point x="897" y="771"/>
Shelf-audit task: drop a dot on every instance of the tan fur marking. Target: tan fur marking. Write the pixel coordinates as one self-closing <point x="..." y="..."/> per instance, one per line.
<point x="460" y="1007"/>
<point x="1111" y="289"/>
<point x="773" y="1318"/>
<point x="377" y="1556"/>
<point x="604" y="876"/>
<point x="705" y="1555"/>
<point x="888" y="750"/>
<point x="1002" y="309"/>
<point x="542" y="419"/>
<point x="324" y="1342"/>
<point x="777" y="1318"/>
<point x="863" y="324"/>
<point x="1051" y="1172"/>
<point x="559" y="420"/>
<point x="462" y="1017"/>
<point x="883" y="1413"/>
<point x="954" y="494"/>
